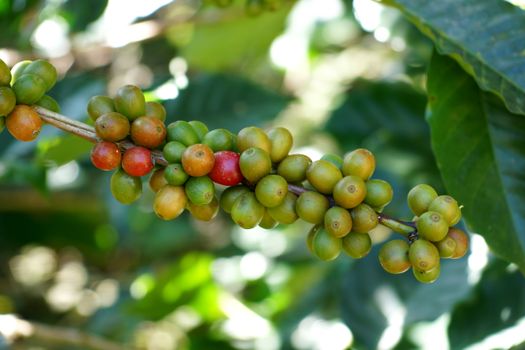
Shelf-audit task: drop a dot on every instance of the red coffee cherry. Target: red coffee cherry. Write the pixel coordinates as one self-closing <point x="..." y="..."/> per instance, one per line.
<point x="226" y="170"/>
<point x="137" y="161"/>
<point x="105" y="156"/>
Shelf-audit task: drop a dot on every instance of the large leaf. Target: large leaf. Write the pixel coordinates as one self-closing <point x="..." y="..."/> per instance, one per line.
<point x="480" y="150"/>
<point x="485" y="37"/>
<point x="226" y="101"/>
<point x="498" y="302"/>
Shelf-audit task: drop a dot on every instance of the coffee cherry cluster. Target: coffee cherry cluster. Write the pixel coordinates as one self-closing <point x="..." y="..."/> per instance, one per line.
<point x="21" y="87"/>
<point x="432" y="239"/>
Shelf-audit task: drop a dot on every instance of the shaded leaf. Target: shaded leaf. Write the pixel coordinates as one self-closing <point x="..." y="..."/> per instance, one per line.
<point x="485" y="37"/>
<point x="480" y="150"/>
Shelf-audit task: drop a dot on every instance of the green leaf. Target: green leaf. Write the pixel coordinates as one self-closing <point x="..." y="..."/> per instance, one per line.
<point x="228" y="38"/>
<point x="62" y="149"/>
<point x="498" y="302"/>
<point x="226" y="101"/>
<point x="480" y="150"/>
<point x="485" y="37"/>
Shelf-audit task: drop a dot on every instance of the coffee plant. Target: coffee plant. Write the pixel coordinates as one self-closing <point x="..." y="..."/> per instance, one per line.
<point x="223" y="153"/>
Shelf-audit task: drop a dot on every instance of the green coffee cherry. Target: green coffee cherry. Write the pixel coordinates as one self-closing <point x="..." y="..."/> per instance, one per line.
<point x="311" y="207"/>
<point x="310" y="237"/>
<point x="360" y="162"/>
<point x="99" y="105"/>
<point x="267" y="221"/>
<point x="125" y="188"/>
<point x="255" y="163"/>
<point x="7" y="100"/>
<point x="432" y="226"/>
<point x="446" y="247"/>
<point x="219" y="140"/>
<point x="200" y="190"/>
<point x="29" y="88"/>
<point x="49" y="103"/>
<point x="349" y="192"/>
<point x="130" y="102"/>
<point x="175" y="174"/>
<point x="44" y="70"/>
<point x="271" y="190"/>
<point x="246" y="211"/>
<point x="323" y="175"/>
<point x="204" y="212"/>
<point x="200" y="128"/>
<point x="172" y="151"/>
<point x="334" y="159"/>
<point x="253" y="137"/>
<point x="5" y="74"/>
<point x="420" y="197"/>
<point x="447" y="207"/>
<point x="378" y="193"/>
<point x="231" y="194"/>
<point x="325" y="246"/>
<point x="427" y="276"/>
<point x="183" y="132"/>
<point x="357" y="245"/>
<point x="337" y="221"/>
<point x="18" y="69"/>
<point x="423" y="255"/>
<point x="281" y="141"/>
<point x="393" y="256"/>
<point x="293" y="167"/>
<point x="364" y="218"/>
<point x="285" y="213"/>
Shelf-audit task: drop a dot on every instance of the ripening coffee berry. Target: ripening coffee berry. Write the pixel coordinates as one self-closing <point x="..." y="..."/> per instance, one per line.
<point x="99" y="105"/>
<point x="130" y="102"/>
<point x="461" y="239"/>
<point x="157" y="180"/>
<point x="311" y="207"/>
<point x="427" y="276"/>
<point x="360" y="162"/>
<point x="432" y="226"/>
<point x="323" y="175"/>
<point x="105" y="156"/>
<point x="246" y="211"/>
<point x="229" y="196"/>
<point x="5" y="74"/>
<point x="393" y="256"/>
<point x="253" y="137"/>
<point x="137" y="161"/>
<point x="23" y="123"/>
<point x="112" y="126"/>
<point x="378" y="193"/>
<point x="285" y="212"/>
<point x="198" y="160"/>
<point x="226" y="170"/>
<point x="155" y="110"/>
<point x="423" y="255"/>
<point x="364" y="218"/>
<point x="149" y="132"/>
<point x="125" y="188"/>
<point x="183" y="132"/>
<point x="204" y="212"/>
<point x="271" y="190"/>
<point x="325" y="246"/>
<point x="293" y="167"/>
<point x="357" y="245"/>
<point x="200" y="190"/>
<point x="446" y="247"/>
<point x="349" y="192"/>
<point x="447" y="207"/>
<point x="281" y="141"/>
<point x="420" y="197"/>
<point x="170" y="202"/>
<point x="255" y="163"/>
<point x="337" y="221"/>
<point x="7" y="100"/>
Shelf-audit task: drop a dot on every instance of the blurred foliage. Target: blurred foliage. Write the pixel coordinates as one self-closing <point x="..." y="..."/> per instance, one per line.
<point x="72" y="256"/>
